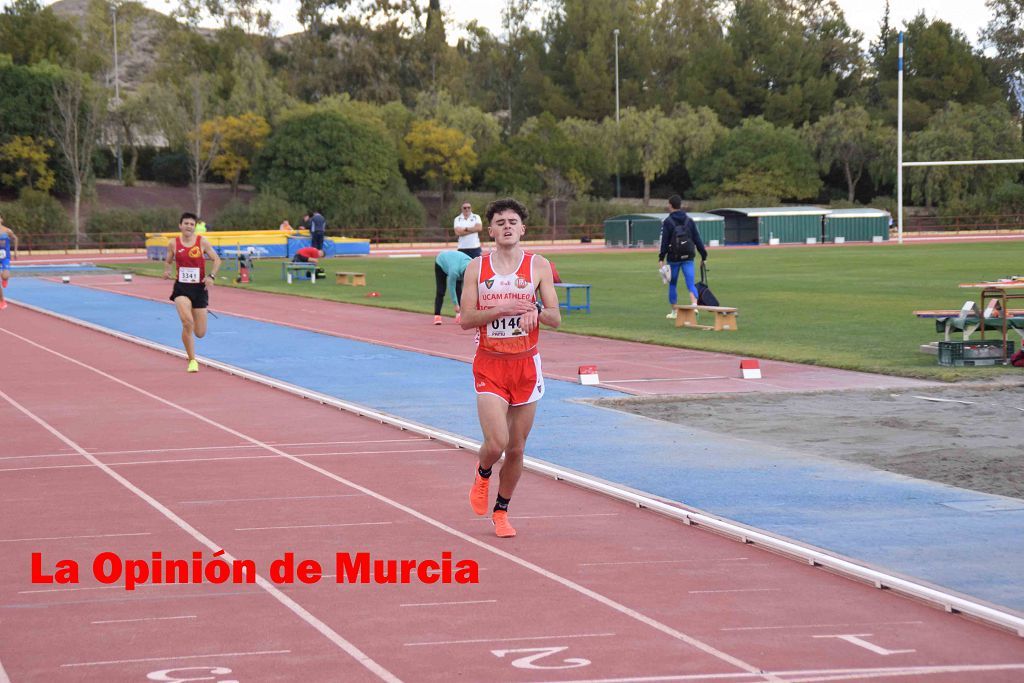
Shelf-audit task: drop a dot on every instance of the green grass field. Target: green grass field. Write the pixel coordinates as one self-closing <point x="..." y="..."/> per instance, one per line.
<point x="845" y="307"/>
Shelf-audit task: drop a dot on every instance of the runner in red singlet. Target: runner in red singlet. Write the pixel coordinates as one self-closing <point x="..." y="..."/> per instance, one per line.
<point x="190" y="295"/>
<point x="513" y="294"/>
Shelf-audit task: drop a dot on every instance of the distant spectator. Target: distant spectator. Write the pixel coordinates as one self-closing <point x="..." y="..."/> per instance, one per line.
<point x="449" y="268"/>
<point x="308" y="255"/>
<point x="201" y="228"/>
<point x="317" y="227"/>
<point x="468" y="227"/>
<point x="286" y="226"/>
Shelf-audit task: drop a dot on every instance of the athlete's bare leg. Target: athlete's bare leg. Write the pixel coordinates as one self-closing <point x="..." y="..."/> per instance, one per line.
<point x="505" y="429"/>
<point x="200" y="318"/>
<point x="188" y="325"/>
<point x="520" y="422"/>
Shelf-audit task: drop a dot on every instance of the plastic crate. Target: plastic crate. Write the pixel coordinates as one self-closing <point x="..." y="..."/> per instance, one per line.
<point x="967" y="353"/>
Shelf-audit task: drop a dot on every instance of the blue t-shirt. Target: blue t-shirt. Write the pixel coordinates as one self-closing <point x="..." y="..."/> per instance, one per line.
<point x="5" y="248"/>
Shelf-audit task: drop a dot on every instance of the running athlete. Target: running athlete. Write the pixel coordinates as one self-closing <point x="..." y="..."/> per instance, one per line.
<point x="8" y="243"/>
<point x="190" y="294"/>
<point x="510" y="294"/>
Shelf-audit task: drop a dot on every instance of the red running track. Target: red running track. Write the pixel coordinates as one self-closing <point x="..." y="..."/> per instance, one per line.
<point x="109" y="447"/>
<point x="630" y="367"/>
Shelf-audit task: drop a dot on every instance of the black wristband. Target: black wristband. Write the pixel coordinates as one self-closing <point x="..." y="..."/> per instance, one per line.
<point x="540" y="307"/>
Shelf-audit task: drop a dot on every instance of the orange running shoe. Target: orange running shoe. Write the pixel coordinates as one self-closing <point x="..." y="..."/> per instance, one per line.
<point x="478" y="494"/>
<point x="437" y="320"/>
<point x="3" y="305"/>
<point x="501" y="526"/>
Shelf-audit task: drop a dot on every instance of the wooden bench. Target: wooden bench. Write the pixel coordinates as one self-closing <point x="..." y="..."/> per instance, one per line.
<point x="347" y="278"/>
<point x="725" y="317"/>
<point x="288" y="269"/>
<point x="568" y="305"/>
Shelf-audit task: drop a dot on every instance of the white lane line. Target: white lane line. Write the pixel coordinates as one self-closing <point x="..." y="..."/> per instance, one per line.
<point x="270" y="588"/>
<point x="739" y="590"/>
<point x="814" y="675"/>
<point x="68" y="538"/>
<point x="518" y="517"/>
<point x="81" y="588"/>
<point x="445" y="604"/>
<point x="248" y="500"/>
<point x="132" y="621"/>
<point x="3" y="674"/>
<point x="775" y="628"/>
<point x="702" y="561"/>
<point x="323" y="628"/>
<point x="225" y="458"/>
<point x="310" y="526"/>
<point x="241" y="446"/>
<point x="42" y="455"/>
<point x="177" y="657"/>
<point x="508" y="640"/>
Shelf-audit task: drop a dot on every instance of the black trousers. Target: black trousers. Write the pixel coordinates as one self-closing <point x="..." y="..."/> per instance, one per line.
<point x="316" y="240"/>
<point x="472" y="252"/>
<point x="441" y="282"/>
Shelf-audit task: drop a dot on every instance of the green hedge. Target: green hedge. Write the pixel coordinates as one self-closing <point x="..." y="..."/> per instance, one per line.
<point x="110" y="226"/>
<point x="36" y="213"/>
<point x="265" y="212"/>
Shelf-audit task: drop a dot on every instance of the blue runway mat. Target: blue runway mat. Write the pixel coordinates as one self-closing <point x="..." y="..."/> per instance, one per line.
<point x="903" y="524"/>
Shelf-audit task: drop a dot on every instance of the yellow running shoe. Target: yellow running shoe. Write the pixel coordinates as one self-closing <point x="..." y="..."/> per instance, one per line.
<point x="501" y="526"/>
<point x="193" y="365"/>
<point x="478" y="494"/>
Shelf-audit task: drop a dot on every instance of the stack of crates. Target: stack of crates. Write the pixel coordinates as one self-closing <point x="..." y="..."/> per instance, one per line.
<point x="980" y="352"/>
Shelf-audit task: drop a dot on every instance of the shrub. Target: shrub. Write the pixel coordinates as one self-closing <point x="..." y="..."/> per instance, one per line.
<point x="171" y="168"/>
<point x="36" y="213"/>
<point x="124" y="226"/>
<point x="265" y="212"/>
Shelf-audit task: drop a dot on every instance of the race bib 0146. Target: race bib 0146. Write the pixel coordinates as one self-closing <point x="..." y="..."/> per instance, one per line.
<point x="188" y="275"/>
<point x="504" y="328"/>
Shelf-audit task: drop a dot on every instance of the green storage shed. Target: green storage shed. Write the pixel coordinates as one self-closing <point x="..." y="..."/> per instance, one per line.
<point x="633" y="230"/>
<point x="761" y="225"/>
<point x="644" y="229"/>
<point x="857" y="225"/>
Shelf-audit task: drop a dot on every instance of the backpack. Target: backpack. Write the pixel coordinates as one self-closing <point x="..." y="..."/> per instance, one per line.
<point x="704" y="295"/>
<point x="680" y="245"/>
<point x="1017" y="359"/>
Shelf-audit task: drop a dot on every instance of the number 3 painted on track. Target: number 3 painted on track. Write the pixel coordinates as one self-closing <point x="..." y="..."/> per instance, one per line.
<point x="541" y="652"/>
<point x="171" y="675"/>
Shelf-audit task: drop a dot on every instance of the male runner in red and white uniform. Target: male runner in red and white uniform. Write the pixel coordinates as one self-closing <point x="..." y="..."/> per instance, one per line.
<point x="190" y="295"/>
<point x="513" y="294"/>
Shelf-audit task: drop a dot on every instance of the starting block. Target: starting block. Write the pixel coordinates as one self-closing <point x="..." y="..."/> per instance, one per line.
<point x="65" y="279"/>
<point x="588" y="375"/>
<point x="127" y="277"/>
<point x="750" y="369"/>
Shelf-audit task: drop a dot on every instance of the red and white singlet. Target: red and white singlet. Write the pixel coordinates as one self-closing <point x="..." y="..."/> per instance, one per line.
<point x="504" y="336"/>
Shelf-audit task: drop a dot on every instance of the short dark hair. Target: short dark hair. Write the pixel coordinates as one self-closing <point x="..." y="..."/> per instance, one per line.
<point x="188" y="214"/>
<point x="675" y="201"/>
<point x="507" y="204"/>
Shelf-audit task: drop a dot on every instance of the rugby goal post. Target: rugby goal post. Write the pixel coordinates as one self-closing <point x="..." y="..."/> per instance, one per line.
<point x="900" y="164"/>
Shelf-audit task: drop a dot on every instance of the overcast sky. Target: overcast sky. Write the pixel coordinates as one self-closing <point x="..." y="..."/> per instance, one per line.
<point x="970" y="16"/>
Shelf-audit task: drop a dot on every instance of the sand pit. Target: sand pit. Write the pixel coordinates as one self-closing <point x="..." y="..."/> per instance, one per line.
<point x="972" y="438"/>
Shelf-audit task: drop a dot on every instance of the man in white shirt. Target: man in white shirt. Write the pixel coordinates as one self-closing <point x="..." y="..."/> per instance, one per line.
<point x="468" y="227"/>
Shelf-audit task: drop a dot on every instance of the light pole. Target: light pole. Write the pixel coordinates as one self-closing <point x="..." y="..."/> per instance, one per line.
<point x="618" y="185"/>
<point x="117" y="99"/>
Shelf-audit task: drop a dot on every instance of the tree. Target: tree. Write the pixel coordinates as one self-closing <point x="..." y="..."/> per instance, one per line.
<point x="26" y="160"/>
<point x="850" y="139"/>
<point x="326" y="159"/>
<point x="31" y="34"/>
<point x="1005" y="32"/>
<point x="758" y="159"/>
<point x="963" y="132"/>
<point x="78" y="115"/>
<point x="444" y="155"/>
<point x="239" y="139"/>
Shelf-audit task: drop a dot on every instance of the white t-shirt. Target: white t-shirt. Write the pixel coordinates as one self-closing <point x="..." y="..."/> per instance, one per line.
<point x="472" y="240"/>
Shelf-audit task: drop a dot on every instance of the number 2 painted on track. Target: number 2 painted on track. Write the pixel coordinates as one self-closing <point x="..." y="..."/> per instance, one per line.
<point x="172" y="675"/>
<point x="540" y="653"/>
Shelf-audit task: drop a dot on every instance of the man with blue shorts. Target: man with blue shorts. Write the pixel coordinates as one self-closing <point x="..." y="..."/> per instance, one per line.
<point x="680" y="242"/>
<point x="8" y="244"/>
